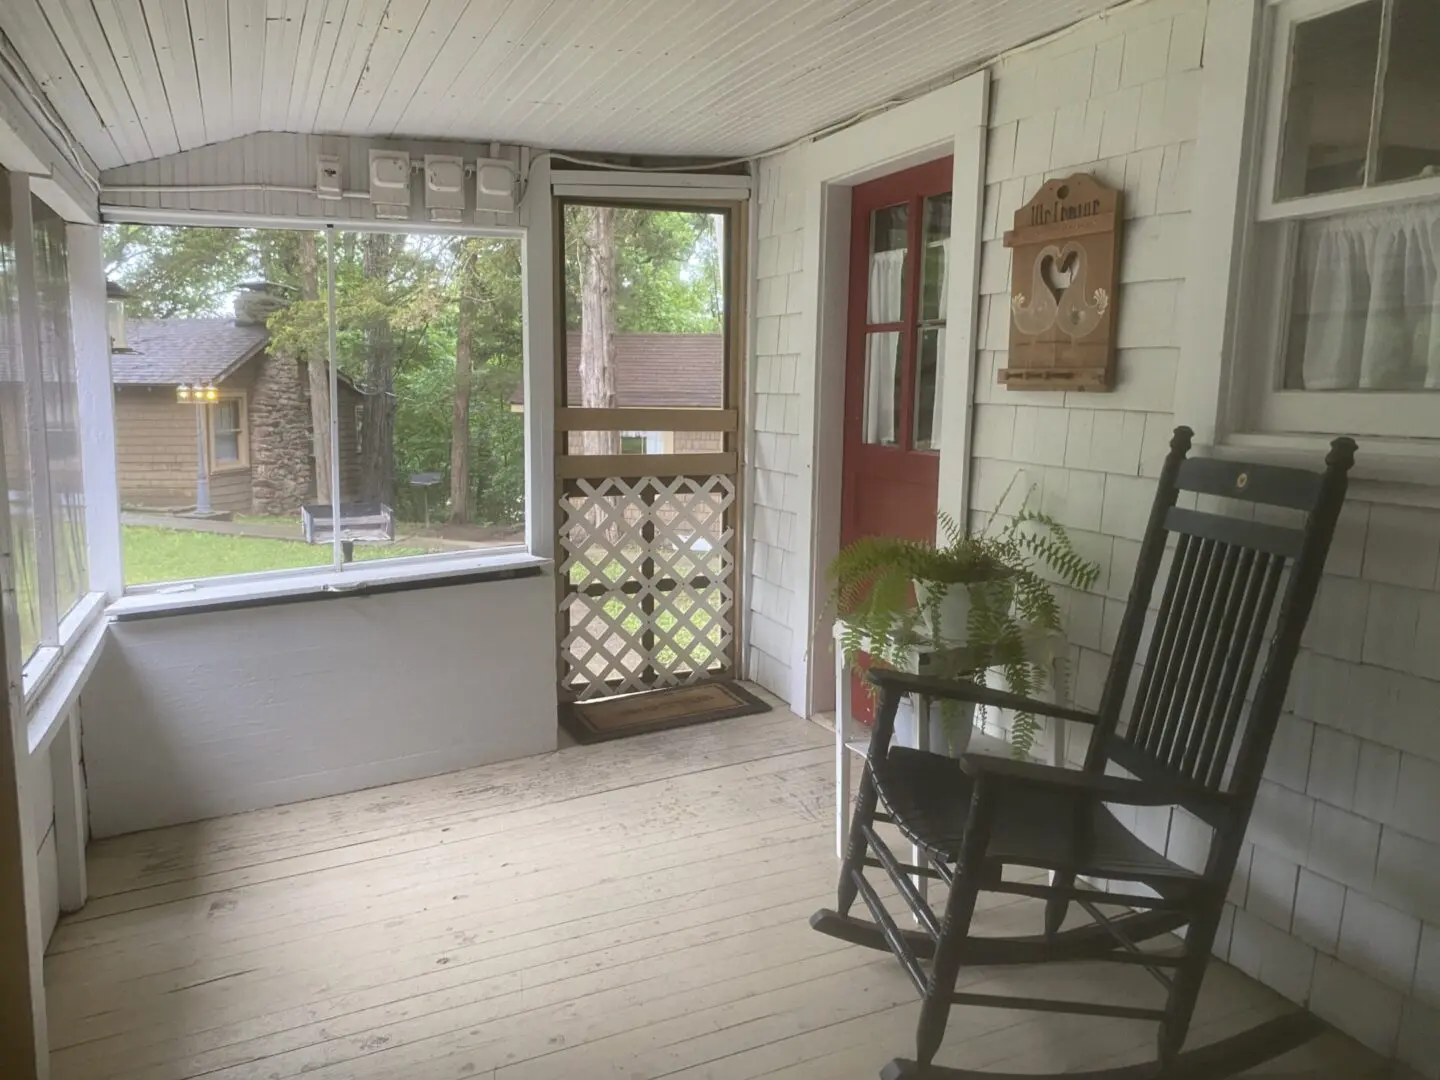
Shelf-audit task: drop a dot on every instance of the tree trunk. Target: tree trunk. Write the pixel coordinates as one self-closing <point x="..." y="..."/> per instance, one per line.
<point x="319" y="369"/>
<point x="597" y="325"/>
<point x="460" y="417"/>
<point x="377" y="441"/>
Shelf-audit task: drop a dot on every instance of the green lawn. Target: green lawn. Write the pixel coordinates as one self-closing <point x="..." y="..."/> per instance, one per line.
<point x="155" y="554"/>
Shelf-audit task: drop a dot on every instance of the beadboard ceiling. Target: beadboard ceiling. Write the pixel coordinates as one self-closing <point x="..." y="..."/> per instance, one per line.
<point x="139" y="79"/>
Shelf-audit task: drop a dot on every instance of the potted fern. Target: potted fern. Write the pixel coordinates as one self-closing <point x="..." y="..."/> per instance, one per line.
<point x="982" y="591"/>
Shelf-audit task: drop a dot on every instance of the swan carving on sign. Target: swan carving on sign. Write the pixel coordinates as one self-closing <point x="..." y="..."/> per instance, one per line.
<point x="1057" y="295"/>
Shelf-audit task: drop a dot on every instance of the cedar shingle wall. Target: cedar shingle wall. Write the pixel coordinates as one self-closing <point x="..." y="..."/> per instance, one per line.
<point x="154" y="448"/>
<point x="1336" y="901"/>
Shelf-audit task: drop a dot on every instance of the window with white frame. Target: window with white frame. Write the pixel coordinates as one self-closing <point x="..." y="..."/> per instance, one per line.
<point x="227" y="433"/>
<point x="1346" y="303"/>
<point x="226" y="403"/>
<point x="39" y="421"/>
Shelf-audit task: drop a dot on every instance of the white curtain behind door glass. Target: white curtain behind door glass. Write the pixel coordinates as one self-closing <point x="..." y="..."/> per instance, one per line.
<point x="1367" y="300"/>
<point x="885" y="302"/>
<point x="943" y="296"/>
<point x="882" y="354"/>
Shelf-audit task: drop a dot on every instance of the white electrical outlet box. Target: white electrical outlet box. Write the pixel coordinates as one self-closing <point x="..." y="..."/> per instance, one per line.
<point x="389" y="175"/>
<point x="495" y="186"/>
<point x="327" y="176"/>
<point x="445" y="187"/>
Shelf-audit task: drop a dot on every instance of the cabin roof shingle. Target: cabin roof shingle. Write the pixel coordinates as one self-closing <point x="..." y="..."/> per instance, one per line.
<point x="168" y="352"/>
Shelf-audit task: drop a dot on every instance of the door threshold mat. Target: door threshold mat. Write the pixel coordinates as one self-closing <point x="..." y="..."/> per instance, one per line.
<point x="657" y="710"/>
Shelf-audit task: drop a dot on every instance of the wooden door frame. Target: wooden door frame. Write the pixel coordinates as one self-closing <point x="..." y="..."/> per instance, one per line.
<point x="910" y="187"/>
<point x="951" y="120"/>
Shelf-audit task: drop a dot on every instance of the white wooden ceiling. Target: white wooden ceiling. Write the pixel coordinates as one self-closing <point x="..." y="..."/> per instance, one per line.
<point x="138" y="79"/>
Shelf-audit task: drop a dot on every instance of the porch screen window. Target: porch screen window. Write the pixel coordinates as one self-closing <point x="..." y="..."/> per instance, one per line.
<point x="227" y="405"/>
<point x="226" y="430"/>
<point x="61" y="407"/>
<point x="19" y="480"/>
<point x="39" y="421"/>
<point x="1347" y="296"/>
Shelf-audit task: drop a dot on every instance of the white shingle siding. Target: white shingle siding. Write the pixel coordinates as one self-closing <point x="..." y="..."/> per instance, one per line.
<point x="776" y="481"/>
<point x="1352" y="792"/>
<point x="1336" y="890"/>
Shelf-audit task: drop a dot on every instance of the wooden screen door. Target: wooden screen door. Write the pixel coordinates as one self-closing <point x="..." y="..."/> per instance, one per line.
<point x="899" y="245"/>
<point x="899" y="249"/>
<point x="648" y="476"/>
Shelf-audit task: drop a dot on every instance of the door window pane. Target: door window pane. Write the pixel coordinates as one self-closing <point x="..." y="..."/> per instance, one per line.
<point x="889" y="238"/>
<point x="1409" y="129"/>
<point x="934" y="269"/>
<point x="13" y="427"/>
<point x="881" y="420"/>
<point x="929" y="382"/>
<point x="1327" y="104"/>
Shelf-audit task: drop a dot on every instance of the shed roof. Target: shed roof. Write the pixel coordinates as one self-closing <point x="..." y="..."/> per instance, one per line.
<point x="655" y="370"/>
<point x="167" y="352"/>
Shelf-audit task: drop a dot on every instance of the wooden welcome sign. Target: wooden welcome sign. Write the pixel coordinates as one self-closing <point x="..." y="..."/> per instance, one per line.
<point x="1066" y="242"/>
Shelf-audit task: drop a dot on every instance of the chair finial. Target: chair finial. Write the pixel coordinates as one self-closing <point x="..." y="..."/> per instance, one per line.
<point x="1180" y="441"/>
<point x="1342" y="454"/>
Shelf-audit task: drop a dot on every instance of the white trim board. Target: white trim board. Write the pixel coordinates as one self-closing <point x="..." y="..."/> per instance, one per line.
<point x="952" y="120"/>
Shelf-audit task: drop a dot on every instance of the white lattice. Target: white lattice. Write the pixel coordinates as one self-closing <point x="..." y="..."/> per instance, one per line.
<point x="649" y="575"/>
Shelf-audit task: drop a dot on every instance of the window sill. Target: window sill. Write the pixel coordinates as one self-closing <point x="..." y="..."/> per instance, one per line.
<point x="54" y="687"/>
<point x="325" y="584"/>
<point x="1402" y="472"/>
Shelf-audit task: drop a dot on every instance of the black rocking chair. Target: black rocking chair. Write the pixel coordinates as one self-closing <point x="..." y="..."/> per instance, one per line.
<point x="1196" y="739"/>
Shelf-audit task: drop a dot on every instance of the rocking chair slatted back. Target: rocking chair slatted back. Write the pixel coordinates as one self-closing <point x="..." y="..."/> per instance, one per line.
<point x="1195" y="722"/>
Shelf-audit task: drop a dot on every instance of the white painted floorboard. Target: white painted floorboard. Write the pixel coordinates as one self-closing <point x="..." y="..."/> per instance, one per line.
<point x="636" y="909"/>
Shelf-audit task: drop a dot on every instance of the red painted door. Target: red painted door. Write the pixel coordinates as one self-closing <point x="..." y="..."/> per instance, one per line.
<point x="899" y="247"/>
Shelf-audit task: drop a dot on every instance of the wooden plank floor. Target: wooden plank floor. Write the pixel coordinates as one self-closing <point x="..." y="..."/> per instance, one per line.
<point x="635" y="909"/>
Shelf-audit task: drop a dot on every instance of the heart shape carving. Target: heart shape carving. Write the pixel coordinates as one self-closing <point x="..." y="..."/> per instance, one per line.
<point x="1058" y="273"/>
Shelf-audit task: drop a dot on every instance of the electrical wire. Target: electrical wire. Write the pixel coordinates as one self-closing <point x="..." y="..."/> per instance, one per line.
<point x="201" y="189"/>
<point x="18" y="76"/>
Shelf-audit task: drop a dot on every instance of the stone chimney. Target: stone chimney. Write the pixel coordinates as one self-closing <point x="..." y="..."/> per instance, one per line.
<point x="257" y="301"/>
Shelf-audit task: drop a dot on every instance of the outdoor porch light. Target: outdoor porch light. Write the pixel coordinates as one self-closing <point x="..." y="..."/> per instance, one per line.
<point x="185" y="393"/>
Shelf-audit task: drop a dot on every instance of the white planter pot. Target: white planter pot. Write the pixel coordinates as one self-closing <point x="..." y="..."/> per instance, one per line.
<point x="953" y="623"/>
<point x="951" y="743"/>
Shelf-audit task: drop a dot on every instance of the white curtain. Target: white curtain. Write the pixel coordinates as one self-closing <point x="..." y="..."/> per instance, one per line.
<point x="881" y="357"/>
<point x="887" y="286"/>
<point x="1368" y="300"/>
<point x="944" y="276"/>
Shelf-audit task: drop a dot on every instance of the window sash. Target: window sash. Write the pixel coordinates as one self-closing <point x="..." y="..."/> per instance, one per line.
<point x="1283" y="19"/>
<point x="225" y="433"/>
<point x="1272" y="264"/>
<point x="36" y="329"/>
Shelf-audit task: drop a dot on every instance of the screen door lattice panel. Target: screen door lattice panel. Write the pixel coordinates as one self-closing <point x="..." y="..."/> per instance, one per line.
<point x="648" y="571"/>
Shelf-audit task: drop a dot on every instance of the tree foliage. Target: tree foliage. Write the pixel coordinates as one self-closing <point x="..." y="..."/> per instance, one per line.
<point x="667" y="271"/>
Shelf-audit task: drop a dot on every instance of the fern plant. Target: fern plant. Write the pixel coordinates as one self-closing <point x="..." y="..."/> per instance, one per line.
<point x="891" y="591"/>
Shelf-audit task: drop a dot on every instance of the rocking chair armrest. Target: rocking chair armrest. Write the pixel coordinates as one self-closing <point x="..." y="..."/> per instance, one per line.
<point x="1100" y="786"/>
<point x="962" y="690"/>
